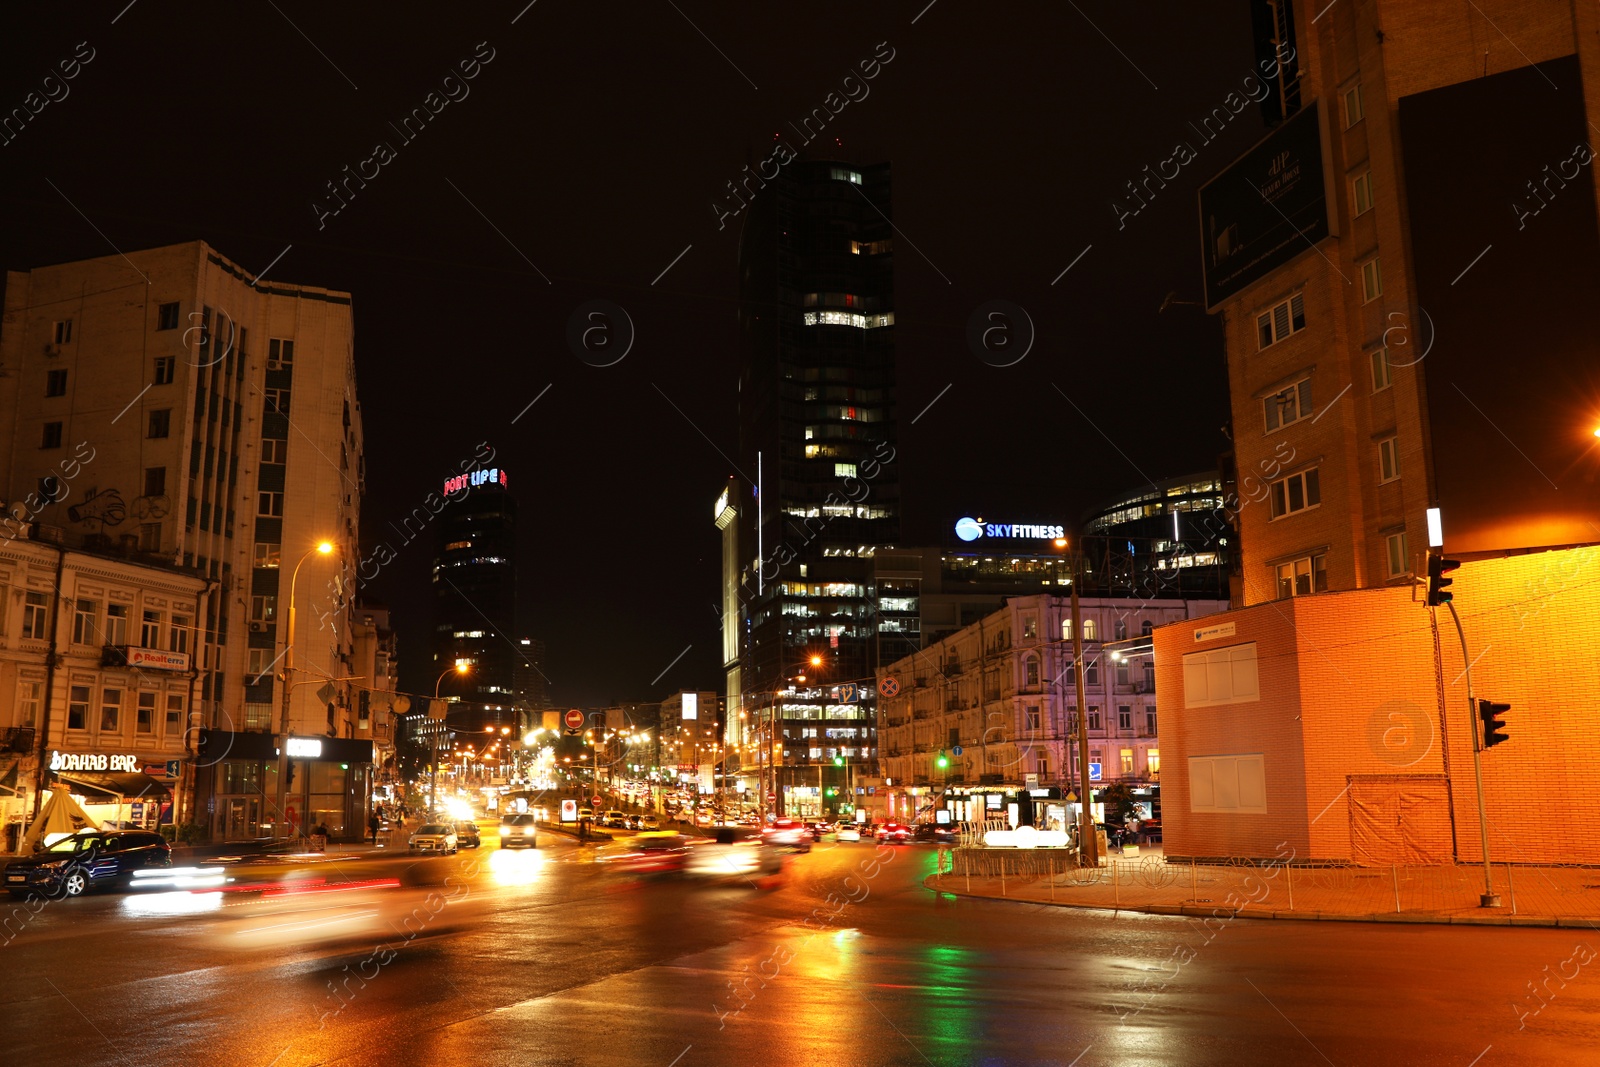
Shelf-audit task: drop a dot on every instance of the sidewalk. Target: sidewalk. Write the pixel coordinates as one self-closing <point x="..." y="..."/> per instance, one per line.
<point x="1530" y="896"/>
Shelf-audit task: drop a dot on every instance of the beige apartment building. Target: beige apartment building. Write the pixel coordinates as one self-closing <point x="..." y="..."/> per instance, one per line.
<point x="222" y="416"/>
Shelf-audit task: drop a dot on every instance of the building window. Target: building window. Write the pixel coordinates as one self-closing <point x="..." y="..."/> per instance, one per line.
<point x="1031" y="718"/>
<point x="1303" y="576"/>
<point x="165" y="367"/>
<point x="78" y="707"/>
<point x="110" y="710"/>
<point x="1120" y="628"/>
<point x="1371" y="281"/>
<point x="1281" y="320"/>
<point x="1127" y="762"/>
<point x="63" y="331"/>
<point x="280" y="351"/>
<point x="1232" y="784"/>
<point x="117" y="624"/>
<point x="51" y="489"/>
<point x="1353" y="110"/>
<point x="35" y="612"/>
<point x="1399" y="558"/>
<point x="167" y="317"/>
<point x="274" y="450"/>
<point x="1094" y="716"/>
<point x="842" y="174"/>
<point x="1124" y="718"/>
<point x="1389" y="459"/>
<point x="55" y="383"/>
<point x="1361" y="193"/>
<point x="1289" y="405"/>
<point x="175" y="703"/>
<point x="1066" y="629"/>
<point x="1221" y="676"/>
<point x="1380" y="369"/>
<point x="260" y="660"/>
<point x="30" y="697"/>
<point x="1041" y="763"/>
<point x="1298" y="492"/>
<point x="178" y="636"/>
<point x="1150" y="721"/>
<point x="1150" y="674"/>
<point x="277" y="402"/>
<point x="86" y="613"/>
<point x="269" y="504"/>
<point x="1123" y="676"/>
<point x="1031" y="669"/>
<point x="145" y="717"/>
<point x="1089" y="630"/>
<point x="1152" y="762"/>
<point x="844" y="470"/>
<point x="149" y="537"/>
<point x="51" y="437"/>
<point x="150" y="630"/>
<point x="160" y="423"/>
<point x="267" y="554"/>
<point x="1091" y="672"/>
<point x="1030" y="627"/>
<point x="155" y="481"/>
<point x="263" y="608"/>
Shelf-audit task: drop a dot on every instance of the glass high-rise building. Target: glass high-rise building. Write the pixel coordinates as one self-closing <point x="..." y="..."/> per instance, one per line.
<point x="819" y="491"/>
<point x="475" y="598"/>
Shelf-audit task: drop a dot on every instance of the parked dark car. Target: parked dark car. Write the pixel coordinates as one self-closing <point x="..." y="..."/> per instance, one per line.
<point x="467" y="834"/>
<point x="86" y="860"/>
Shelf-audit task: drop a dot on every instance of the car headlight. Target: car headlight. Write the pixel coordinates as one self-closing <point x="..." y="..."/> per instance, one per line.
<point x="53" y="864"/>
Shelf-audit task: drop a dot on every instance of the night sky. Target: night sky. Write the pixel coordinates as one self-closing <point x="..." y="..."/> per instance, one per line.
<point x="579" y="162"/>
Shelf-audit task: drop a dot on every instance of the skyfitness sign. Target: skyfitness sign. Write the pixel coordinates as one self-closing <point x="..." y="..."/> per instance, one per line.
<point x="973" y="529"/>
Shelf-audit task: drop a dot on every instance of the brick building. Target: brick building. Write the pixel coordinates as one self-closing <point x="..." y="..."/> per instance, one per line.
<point x="1405" y="268"/>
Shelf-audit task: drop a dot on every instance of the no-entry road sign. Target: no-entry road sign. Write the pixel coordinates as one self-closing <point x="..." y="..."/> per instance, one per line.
<point x="573" y="719"/>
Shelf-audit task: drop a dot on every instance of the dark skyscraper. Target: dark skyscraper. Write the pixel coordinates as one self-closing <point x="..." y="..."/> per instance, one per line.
<point x="475" y="596"/>
<point x="820" y="488"/>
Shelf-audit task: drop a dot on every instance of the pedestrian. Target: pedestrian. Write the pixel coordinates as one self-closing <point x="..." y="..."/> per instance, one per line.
<point x="1133" y="828"/>
<point x="373" y="823"/>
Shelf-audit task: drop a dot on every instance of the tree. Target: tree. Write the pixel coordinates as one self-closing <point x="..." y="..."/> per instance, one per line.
<point x="1119" y="802"/>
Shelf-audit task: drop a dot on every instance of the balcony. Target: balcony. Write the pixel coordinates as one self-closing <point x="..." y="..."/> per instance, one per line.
<point x="923" y="713"/>
<point x="16" y="739"/>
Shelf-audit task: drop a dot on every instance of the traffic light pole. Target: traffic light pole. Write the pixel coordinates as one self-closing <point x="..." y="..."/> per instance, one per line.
<point x="1489" y="898"/>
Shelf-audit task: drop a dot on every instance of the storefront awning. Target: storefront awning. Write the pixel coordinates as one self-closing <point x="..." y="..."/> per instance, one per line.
<point x="129" y="785"/>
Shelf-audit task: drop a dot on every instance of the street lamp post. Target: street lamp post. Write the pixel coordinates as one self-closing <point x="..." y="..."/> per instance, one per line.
<point x="462" y="667"/>
<point x="321" y="548"/>
<point x="1088" y="843"/>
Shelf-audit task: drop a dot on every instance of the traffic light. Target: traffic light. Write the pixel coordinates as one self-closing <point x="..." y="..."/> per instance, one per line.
<point x="943" y="761"/>
<point x="832" y="791"/>
<point x="1494" y="727"/>
<point x="838" y="761"/>
<point x="1438" y="567"/>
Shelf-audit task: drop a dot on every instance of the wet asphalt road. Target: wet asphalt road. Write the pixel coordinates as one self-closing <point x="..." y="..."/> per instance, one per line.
<point x="543" y="958"/>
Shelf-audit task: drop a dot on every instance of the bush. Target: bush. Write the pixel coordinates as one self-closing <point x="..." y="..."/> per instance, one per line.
<point x="188" y="834"/>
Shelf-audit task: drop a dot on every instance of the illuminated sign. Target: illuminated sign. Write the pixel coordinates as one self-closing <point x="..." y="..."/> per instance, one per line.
<point x="304" y="748"/>
<point x="473" y="479"/>
<point x="151" y="657"/>
<point x="93" y="761"/>
<point x="972" y="529"/>
<point x="691" y="705"/>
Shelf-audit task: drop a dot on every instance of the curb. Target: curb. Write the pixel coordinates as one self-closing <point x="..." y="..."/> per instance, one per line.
<point x="1201" y="911"/>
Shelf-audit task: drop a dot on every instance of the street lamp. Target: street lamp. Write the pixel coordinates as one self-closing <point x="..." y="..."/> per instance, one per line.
<point x="321" y="548"/>
<point x="462" y="667"/>
<point x="1088" y="843"/>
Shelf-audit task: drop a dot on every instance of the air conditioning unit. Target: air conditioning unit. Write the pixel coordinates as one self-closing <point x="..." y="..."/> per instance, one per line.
<point x="274" y="364"/>
<point x="52" y="350"/>
<point x="258" y="627"/>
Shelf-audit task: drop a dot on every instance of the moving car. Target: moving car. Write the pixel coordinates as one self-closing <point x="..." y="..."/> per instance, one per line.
<point x="519" y="831"/>
<point x="818" y="828"/>
<point x="893" y="833"/>
<point x="88" y="859"/>
<point x="434" y="837"/>
<point x="467" y="835"/>
<point x="790" y="833"/>
<point x="940" y="833"/>
<point x="649" y="853"/>
<point x="848" y="831"/>
<point x="734" y="853"/>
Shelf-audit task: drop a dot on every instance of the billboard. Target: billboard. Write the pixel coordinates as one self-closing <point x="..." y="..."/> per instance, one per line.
<point x="1268" y="207"/>
<point x="691" y="705"/>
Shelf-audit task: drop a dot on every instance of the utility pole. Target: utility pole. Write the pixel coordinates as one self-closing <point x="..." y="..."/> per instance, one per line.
<point x="1088" y="841"/>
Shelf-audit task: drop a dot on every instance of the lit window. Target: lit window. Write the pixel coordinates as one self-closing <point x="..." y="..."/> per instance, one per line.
<point x="1296" y="493"/>
<point x="1361" y="193"/>
<point x="1380" y="369"/>
<point x="1089" y="630"/>
<point x="1353" y="108"/>
<point x="1152" y="761"/>
<point x="267" y="554"/>
<point x="1399" y="558"/>
<point x="1127" y="762"/>
<point x="1371" y="281"/>
<point x="1389" y="458"/>
<point x="844" y="470"/>
<point x="842" y="174"/>
<point x="1280" y="320"/>
<point x="1303" y="576"/>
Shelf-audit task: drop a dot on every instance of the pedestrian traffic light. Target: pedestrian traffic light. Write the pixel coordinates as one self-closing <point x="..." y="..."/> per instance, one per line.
<point x="943" y="761"/>
<point x="838" y="761"/>
<point x="1438" y="567"/>
<point x="1494" y="727"/>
